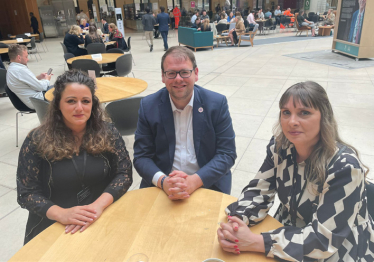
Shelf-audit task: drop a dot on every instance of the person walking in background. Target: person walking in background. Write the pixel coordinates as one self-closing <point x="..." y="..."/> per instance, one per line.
<point x="172" y="19"/>
<point x="163" y="20"/>
<point x="177" y="16"/>
<point x="34" y="23"/>
<point x="148" y="21"/>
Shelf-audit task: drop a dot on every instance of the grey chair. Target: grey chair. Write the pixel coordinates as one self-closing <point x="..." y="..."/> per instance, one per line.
<point x="112" y="66"/>
<point x="115" y="50"/>
<point x="87" y="64"/>
<point x="22" y="36"/>
<point x="33" y="49"/>
<point x="124" y="65"/>
<point x="2" y="80"/>
<point x="20" y="106"/>
<point x="64" y="48"/>
<point x="41" y="107"/>
<point x="66" y="57"/>
<point x="96" y="48"/>
<point x="124" y="114"/>
<point x="41" y="40"/>
<point x="129" y="47"/>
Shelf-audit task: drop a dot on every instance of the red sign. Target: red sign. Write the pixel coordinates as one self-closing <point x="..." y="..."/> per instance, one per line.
<point x="192" y="4"/>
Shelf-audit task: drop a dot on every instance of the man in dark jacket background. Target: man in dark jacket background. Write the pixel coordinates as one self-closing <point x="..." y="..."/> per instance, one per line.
<point x="34" y="23"/>
<point x="148" y="21"/>
<point x="105" y="26"/>
<point x="163" y="19"/>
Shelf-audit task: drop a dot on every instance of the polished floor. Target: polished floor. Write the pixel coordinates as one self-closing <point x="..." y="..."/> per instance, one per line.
<point x="252" y="78"/>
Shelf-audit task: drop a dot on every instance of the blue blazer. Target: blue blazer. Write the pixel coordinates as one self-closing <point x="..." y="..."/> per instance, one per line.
<point x="213" y="133"/>
<point x="163" y="19"/>
<point x="353" y="24"/>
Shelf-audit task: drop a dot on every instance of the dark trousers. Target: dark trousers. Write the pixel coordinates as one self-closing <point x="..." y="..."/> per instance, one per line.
<point x="164" y="35"/>
<point x="278" y="20"/>
<point x="1" y="64"/>
<point x="36" y="30"/>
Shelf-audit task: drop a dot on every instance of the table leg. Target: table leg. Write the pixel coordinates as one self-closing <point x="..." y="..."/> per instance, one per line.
<point x="226" y="41"/>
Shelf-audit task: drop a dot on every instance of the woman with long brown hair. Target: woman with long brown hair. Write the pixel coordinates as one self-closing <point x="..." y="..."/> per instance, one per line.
<point x="73" y="165"/>
<point x="320" y="182"/>
<point x="92" y="36"/>
<point x="205" y="26"/>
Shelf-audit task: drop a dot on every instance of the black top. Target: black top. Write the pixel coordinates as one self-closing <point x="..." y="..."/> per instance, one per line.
<point x="71" y="42"/>
<point x="105" y="28"/>
<point x="34" y="23"/>
<point x="300" y="19"/>
<point x="88" y="40"/>
<point x="207" y="29"/>
<point x="42" y="183"/>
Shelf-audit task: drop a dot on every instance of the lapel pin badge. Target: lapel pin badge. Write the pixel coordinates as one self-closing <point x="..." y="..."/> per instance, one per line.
<point x="201" y="110"/>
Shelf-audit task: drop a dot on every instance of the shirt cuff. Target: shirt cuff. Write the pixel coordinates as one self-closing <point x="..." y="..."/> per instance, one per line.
<point x="156" y="177"/>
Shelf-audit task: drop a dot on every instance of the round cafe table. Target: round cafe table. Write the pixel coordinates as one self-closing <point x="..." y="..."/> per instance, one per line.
<point x="146" y="221"/>
<point x="31" y="35"/>
<point x="4" y="50"/>
<point x="107" y="58"/>
<point x="113" y="88"/>
<point x="15" y="41"/>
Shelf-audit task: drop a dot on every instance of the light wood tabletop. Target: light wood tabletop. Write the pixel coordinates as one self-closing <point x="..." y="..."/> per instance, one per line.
<point x="146" y="221"/>
<point x="15" y="41"/>
<point x="106" y="43"/>
<point x="113" y="88"/>
<point x="4" y="50"/>
<point x="107" y="58"/>
<point x="31" y="35"/>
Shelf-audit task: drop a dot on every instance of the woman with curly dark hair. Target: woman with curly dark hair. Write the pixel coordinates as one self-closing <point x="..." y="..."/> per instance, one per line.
<point x="75" y="164"/>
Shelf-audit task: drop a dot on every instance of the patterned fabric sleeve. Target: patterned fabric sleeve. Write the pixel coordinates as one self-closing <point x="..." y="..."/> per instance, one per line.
<point x="258" y="197"/>
<point x="333" y="221"/>
<point x="29" y="180"/>
<point x="121" y="168"/>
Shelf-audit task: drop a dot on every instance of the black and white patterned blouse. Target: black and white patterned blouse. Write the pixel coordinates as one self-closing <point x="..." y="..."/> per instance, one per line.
<point x="339" y="228"/>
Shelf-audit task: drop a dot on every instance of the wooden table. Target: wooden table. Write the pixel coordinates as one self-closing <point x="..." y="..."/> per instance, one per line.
<point x="324" y="30"/>
<point x="146" y="221"/>
<point x="220" y="38"/>
<point x="113" y="88"/>
<point x="106" y="43"/>
<point x="107" y="58"/>
<point x="32" y="35"/>
<point x="4" y="50"/>
<point x="15" y="41"/>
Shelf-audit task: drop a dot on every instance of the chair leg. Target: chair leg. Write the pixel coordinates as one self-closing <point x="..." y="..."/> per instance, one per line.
<point x="133" y="74"/>
<point x="46" y="46"/>
<point x="17" y="127"/>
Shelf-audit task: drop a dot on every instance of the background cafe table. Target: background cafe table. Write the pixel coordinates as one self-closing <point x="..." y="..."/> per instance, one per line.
<point x="15" y="41"/>
<point x="107" y="58"/>
<point x="146" y="221"/>
<point x="4" y="50"/>
<point x="113" y="88"/>
<point x="31" y="35"/>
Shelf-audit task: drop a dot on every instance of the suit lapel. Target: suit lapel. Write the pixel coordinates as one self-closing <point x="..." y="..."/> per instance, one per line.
<point x="168" y="123"/>
<point x="198" y="119"/>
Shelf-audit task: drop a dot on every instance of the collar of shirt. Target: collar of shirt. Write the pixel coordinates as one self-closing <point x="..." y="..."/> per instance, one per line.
<point x="17" y="64"/>
<point x="174" y="108"/>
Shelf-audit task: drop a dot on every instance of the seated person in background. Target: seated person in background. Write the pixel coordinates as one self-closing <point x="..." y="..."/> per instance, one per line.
<point x="288" y="12"/>
<point x="197" y="24"/>
<point x="277" y="14"/>
<point x="72" y="184"/>
<point x="268" y="14"/>
<point x="329" y="19"/>
<point x="72" y="41"/>
<point x="304" y="22"/>
<point x="239" y="28"/>
<point x="98" y="30"/>
<point x="105" y="26"/>
<point x="21" y="81"/>
<point x="223" y="20"/>
<point x="193" y="18"/>
<point x="240" y="17"/>
<point x="204" y="16"/>
<point x="320" y="182"/>
<point x="251" y="21"/>
<point x="205" y="26"/>
<point x="184" y="138"/>
<point x="92" y="36"/>
<point x="230" y="17"/>
<point x="260" y="14"/>
<point x="116" y="35"/>
<point x="84" y="25"/>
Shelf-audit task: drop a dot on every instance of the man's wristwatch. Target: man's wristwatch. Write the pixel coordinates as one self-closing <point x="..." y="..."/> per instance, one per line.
<point x="162" y="182"/>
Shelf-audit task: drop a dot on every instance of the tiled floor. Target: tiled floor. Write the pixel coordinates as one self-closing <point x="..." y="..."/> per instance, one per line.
<point x="252" y="78"/>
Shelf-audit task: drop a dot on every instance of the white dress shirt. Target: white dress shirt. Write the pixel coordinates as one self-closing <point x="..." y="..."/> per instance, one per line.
<point x="251" y="19"/>
<point x="24" y="83"/>
<point x="184" y="155"/>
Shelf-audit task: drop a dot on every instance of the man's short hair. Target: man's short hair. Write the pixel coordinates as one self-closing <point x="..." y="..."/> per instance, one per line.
<point x="180" y="52"/>
<point x="162" y="8"/>
<point x="104" y="19"/>
<point x="15" y="50"/>
<point x="147" y="10"/>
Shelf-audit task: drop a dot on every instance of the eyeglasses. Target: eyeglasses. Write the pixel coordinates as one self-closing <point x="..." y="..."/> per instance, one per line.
<point x="182" y="73"/>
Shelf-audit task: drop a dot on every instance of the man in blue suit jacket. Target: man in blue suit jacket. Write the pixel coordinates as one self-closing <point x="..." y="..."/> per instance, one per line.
<point x="163" y="21"/>
<point x="184" y="138"/>
<point x="356" y="25"/>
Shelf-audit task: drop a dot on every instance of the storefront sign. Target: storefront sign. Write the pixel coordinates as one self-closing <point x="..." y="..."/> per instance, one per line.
<point x="192" y="4"/>
<point x="307" y="4"/>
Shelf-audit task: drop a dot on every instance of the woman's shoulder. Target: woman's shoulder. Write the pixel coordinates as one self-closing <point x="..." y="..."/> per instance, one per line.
<point x="347" y="158"/>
